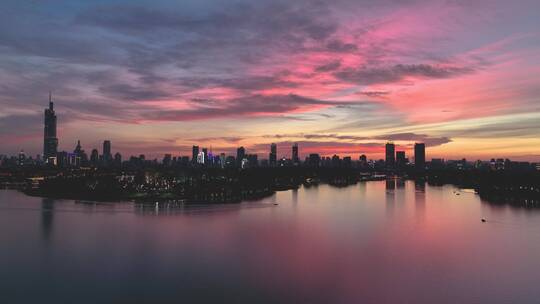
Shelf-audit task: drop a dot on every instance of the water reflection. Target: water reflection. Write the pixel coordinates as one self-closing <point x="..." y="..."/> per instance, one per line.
<point x="390" y="188"/>
<point x="512" y="202"/>
<point x="178" y="208"/>
<point x="47" y="218"/>
<point x="294" y="196"/>
<point x="420" y="198"/>
<point x="319" y="245"/>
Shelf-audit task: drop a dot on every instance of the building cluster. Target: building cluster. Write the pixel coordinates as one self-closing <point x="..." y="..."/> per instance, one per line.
<point x="395" y="161"/>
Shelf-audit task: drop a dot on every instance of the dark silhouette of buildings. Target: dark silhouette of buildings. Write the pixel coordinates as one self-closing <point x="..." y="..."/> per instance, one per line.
<point x="272" y="157"/>
<point x="401" y="159"/>
<point x="420" y="155"/>
<point x="205" y="159"/>
<point x="314" y="160"/>
<point x="94" y="157"/>
<point x="107" y="155"/>
<point x="240" y="155"/>
<point x="295" y="159"/>
<point x="22" y="158"/>
<point x="390" y="155"/>
<point x="50" y="141"/>
<point x="347" y="162"/>
<point x="117" y="159"/>
<point x="194" y="154"/>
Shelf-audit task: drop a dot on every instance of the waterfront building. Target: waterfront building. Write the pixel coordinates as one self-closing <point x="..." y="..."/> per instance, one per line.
<point x="200" y="158"/>
<point x="50" y="141"/>
<point x="22" y="158"/>
<point x="117" y="159"/>
<point x="295" y="159"/>
<point x="240" y="155"/>
<point x="390" y="155"/>
<point x="94" y="157"/>
<point x="107" y="155"/>
<point x="420" y="155"/>
<point x="401" y="160"/>
<point x="272" y="158"/>
<point x="194" y="154"/>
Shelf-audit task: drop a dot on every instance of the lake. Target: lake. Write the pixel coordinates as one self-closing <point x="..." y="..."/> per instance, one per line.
<point x="374" y="242"/>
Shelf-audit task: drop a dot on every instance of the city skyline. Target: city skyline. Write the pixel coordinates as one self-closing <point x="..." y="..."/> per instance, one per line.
<point x="50" y="150"/>
<point x="341" y="78"/>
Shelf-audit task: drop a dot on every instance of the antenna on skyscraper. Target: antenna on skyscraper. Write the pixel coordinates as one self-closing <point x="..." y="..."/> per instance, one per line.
<point x="50" y="100"/>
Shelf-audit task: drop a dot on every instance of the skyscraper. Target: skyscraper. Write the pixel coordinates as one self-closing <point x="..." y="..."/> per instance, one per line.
<point x="22" y="158"/>
<point x="50" y="141"/>
<point x="194" y="154"/>
<point x="118" y="159"/>
<point x="206" y="159"/>
<point x="94" y="157"/>
<point x="390" y="155"/>
<point x="240" y="155"/>
<point x="420" y="155"/>
<point x="200" y="158"/>
<point x="272" y="158"/>
<point x="107" y="156"/>
<point x="295" y="158"/>
<point x="401" y="159"/>
<point x="77" y="154"/>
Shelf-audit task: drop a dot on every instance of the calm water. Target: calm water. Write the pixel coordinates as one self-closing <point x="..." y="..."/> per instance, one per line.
<point x="376" y="242"/>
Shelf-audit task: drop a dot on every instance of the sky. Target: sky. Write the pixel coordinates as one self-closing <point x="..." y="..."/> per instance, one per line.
<point x="339" y="76"/>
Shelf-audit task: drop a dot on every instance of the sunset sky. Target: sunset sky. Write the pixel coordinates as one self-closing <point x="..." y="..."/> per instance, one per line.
<point x="339" y="76"/>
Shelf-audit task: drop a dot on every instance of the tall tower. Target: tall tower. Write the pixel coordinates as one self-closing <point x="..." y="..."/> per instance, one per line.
<point x="390" y="155"/>
<point x="194" y="154"/>
<point x="240" y="155"/>
<point x="50" y="141"/>
<point x="294" y="157"/>
<point x="420" y="155"/>
<point x="272" y="158"/>
<point x="107" y="154"/>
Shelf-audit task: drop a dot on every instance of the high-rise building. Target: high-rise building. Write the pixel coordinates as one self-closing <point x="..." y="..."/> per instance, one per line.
<point x="420" y="155"/>
<point x="78" y="148"/>
<point x="80" y="156"/>
<point x="75" y="157"/>
<point x="194" y="154"/>
<point x="272" y="158"/>
<point x="240" y="155"/>
<point x="117" y="159"/>
<point x="50" y="141"/>
<point x="294" y="157"/>
<point x="222" y="160"/>
<point x="94" y="157"/>
<point x="22" y="158"/>
<point x="107" y="155"/>
<point x="390" y="155"/>
<point x="400" y="158"/>
<point x="201" y="158"/>
<point x="206" y="158"/>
